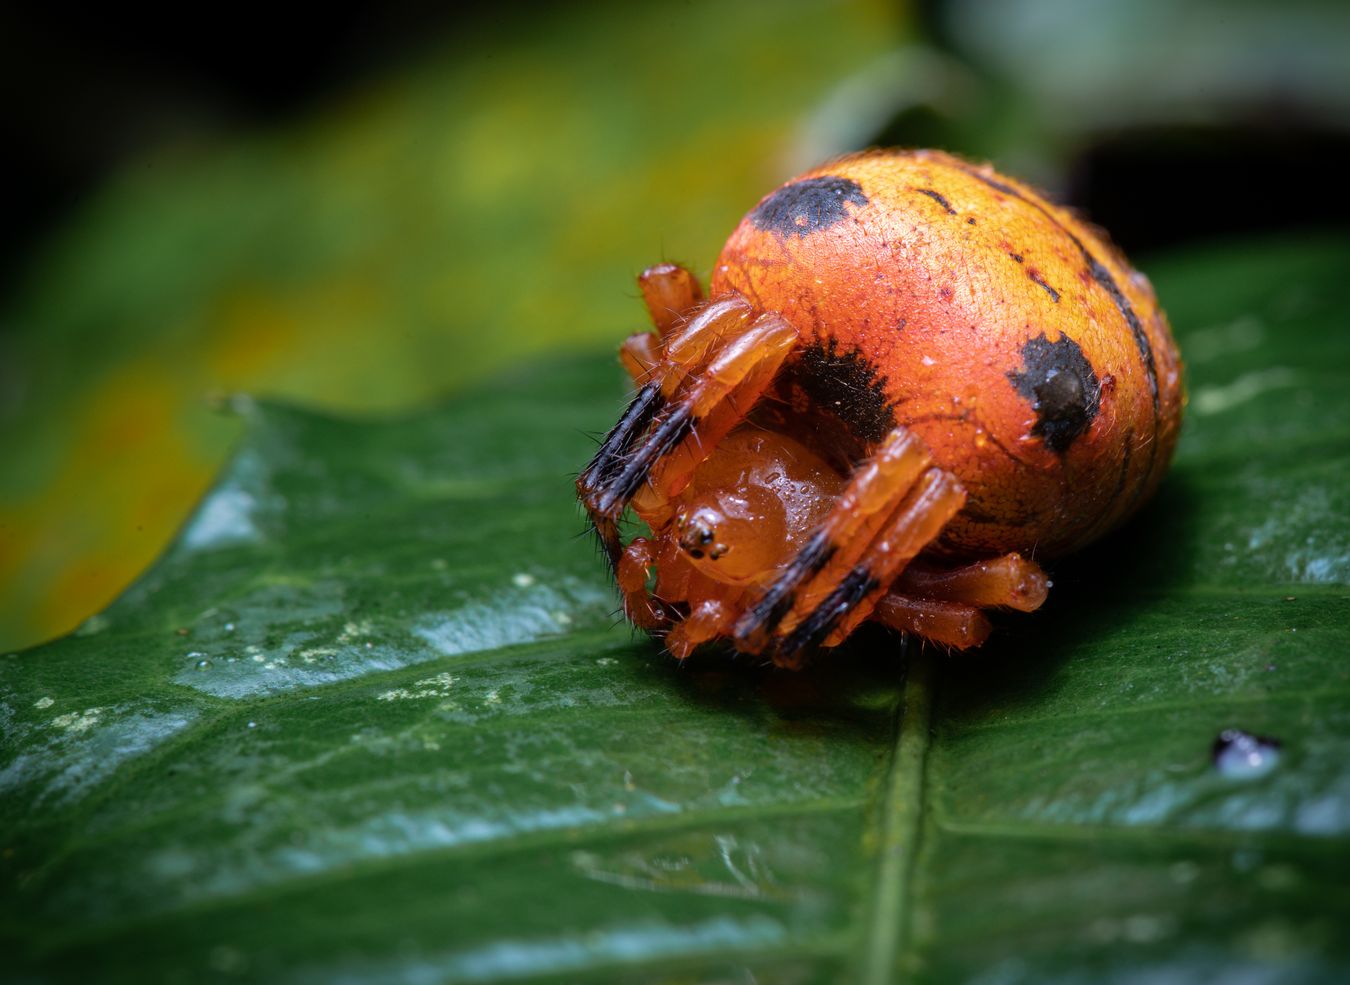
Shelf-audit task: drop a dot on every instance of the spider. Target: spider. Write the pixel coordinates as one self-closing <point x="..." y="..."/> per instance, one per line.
<point x="914" y="379"/>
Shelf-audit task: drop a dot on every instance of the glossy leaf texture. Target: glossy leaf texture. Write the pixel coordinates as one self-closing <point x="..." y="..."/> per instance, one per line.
<point x="371" y="719"/>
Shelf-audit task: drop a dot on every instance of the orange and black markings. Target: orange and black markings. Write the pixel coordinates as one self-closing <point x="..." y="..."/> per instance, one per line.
<point x="805" y="207"/>
<point x="1058" y="381"/>
<point x="913" y="380"/>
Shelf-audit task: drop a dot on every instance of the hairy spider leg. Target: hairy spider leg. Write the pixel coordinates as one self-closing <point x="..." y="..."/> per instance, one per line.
<point x="910" y="527"/>
<point x="936" y="498"/>
<point x="726" y="363"/>
<point x="635" y="564"/>
<point x="732" y="384"/>
<point x="685" y="351"/>
<point x="669" y="291"/>
<point x="874" y="489"/>
<point x="646" y="404"/>
<point x="639" y="355"/>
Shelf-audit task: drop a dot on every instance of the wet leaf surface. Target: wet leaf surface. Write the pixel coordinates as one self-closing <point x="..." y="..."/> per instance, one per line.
<point x="371" y="720"/>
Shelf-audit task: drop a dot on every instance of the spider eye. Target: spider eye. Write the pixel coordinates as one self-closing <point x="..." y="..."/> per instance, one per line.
<point x="697" y="531"/>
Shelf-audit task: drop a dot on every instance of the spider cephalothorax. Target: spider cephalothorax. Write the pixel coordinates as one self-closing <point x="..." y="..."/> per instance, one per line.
<point x="913" y="376"/>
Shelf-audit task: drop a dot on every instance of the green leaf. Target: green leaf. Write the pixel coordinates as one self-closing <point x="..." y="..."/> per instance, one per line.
<point x="372" y="720"/>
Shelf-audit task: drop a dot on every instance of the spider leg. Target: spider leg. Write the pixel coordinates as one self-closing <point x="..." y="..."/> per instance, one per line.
<point x="839" y="542"/>
<point x="646" y="404"/>
<point x="914" y="523"/>
<point x="685" y="351"/>
<point x="944" y="605"/>
<point x="713" y="401"/>
<point x="1009" y="582"/>
<point x="669" y="291"/>
<point x="635" y="563"/>
<point x="712" y="371"/>
<point x="640" y="354"/>
<point x="952" y="624"/>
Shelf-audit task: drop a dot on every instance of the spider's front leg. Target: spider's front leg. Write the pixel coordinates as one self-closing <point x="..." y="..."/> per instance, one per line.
<point x="635" y="564"/>
<point x="670" y="292"/>
<point x="709" y="370"/>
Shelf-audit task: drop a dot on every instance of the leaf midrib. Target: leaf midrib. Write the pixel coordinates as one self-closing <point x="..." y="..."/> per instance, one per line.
<point x="888" y="922"/>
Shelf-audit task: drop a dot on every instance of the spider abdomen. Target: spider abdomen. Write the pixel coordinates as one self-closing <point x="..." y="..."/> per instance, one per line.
<point x="1002" y="330"/>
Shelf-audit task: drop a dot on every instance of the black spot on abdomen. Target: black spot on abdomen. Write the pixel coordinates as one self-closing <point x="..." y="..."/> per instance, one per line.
<point x="847" y="385"/>
<point x="803" y="207"/>
<point x="1064" y="392"/>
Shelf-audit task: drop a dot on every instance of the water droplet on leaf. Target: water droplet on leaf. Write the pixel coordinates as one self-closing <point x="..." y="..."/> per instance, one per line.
<point x="1245" y="756"/>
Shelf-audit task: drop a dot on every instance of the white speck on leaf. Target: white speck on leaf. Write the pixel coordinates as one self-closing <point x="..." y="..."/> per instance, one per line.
<point x="429" y="687"/>
<point x="354" y="631"/>
<point x="78" y="721"/>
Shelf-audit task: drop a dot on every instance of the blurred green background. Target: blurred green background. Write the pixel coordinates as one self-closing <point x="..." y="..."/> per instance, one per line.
<point x="368" y="211"/>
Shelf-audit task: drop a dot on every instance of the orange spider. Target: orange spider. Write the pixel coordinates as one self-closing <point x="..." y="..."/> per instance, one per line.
<point x="915" y="379"/>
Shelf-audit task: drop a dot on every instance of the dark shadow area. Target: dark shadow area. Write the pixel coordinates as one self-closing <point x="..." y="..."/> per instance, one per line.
<point x="853" y="691"/>
<point x="1094" y="593"/>
<point x="1160" y="186"/>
